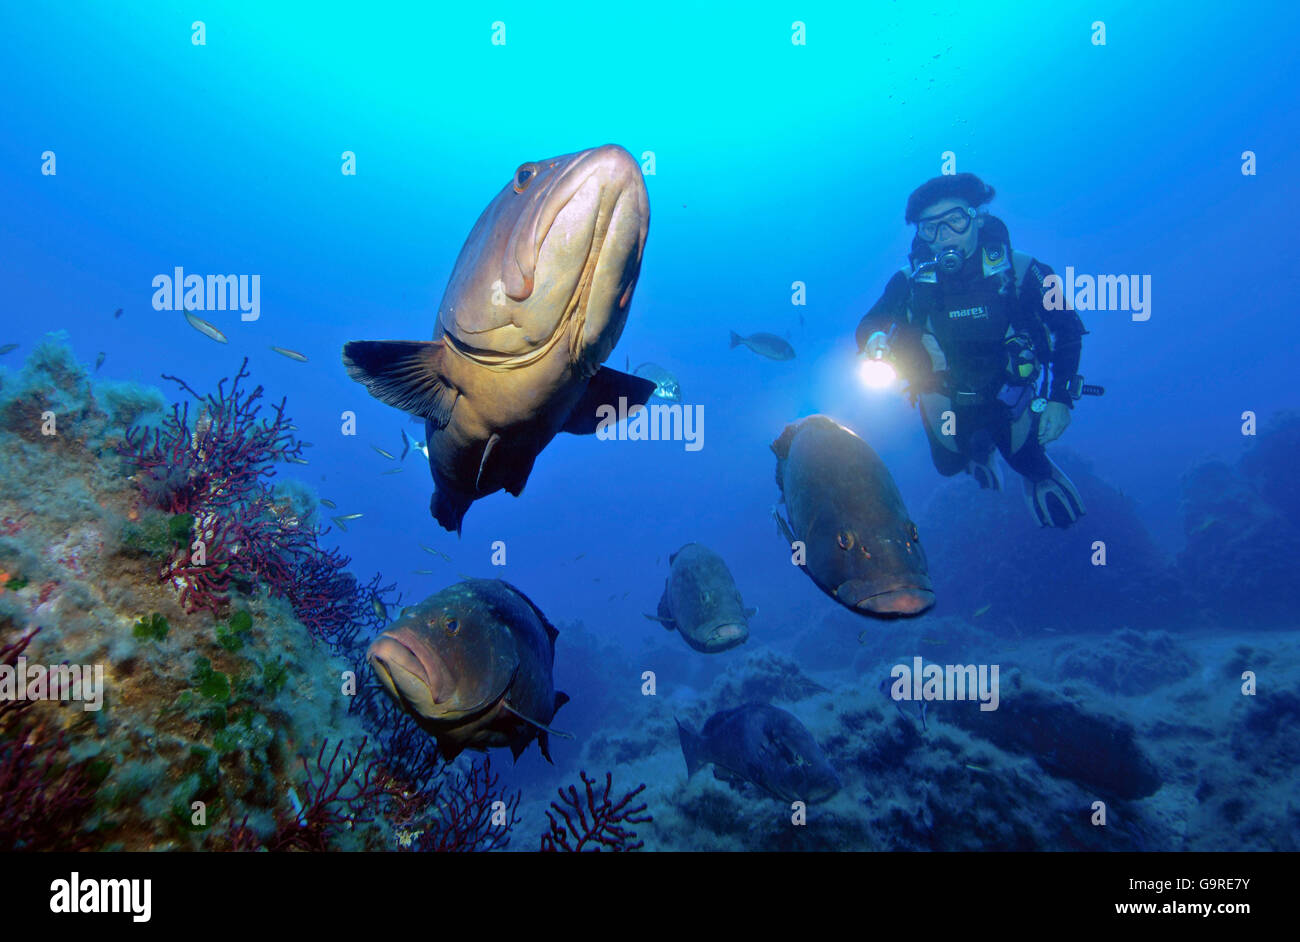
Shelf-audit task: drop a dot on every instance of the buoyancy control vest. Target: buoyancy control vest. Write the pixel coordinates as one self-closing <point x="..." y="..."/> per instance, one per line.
<point x="971" y="313"/>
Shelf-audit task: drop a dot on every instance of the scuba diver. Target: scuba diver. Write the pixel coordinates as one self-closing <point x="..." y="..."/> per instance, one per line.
<point x="991" y="366"/>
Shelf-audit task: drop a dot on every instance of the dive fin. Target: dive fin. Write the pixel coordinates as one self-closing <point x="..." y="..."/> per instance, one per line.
<point x="736" y="340"/>
<point x="605" y="389"/>
<point x="986" y="473"/>
<point x="405" y="374"/>
<point x="1054" y="501"/>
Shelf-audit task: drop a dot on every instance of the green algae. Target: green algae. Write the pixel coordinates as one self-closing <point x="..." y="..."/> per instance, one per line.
<point x="151" y="626"/>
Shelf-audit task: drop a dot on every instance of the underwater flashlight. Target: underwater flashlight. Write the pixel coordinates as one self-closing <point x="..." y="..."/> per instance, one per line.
<point x="876" y="373"/>
<point x="950" y="261"/>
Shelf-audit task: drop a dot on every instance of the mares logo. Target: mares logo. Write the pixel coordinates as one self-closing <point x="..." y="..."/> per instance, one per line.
<point x="973" y="312"/>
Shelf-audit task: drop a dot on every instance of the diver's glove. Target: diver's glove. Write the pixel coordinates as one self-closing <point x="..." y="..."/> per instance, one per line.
<point x="877" y="346"/>
<point x="1053" y="422"/>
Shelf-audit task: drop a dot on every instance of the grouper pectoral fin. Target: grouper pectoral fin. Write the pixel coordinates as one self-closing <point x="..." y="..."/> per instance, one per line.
<point x="665" y="613"/>
<point x="487" y="451"/>
<point x="783" y="526"/>
<point x="532" y="722"/>
<point x="605" y="389"/>
<point x="405" y="374"/>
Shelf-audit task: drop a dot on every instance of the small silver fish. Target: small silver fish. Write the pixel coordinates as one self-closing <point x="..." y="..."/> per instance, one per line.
<point x="389" y="455"/>
<point x="117" y="313"/>
<point x="208" y="330"/>
<point x="99" y="361"/>
<point x="346" y="517"/>
<point x="423" y="572"/>
<point x="9" y="348"/>
<point x="339" y="524"/>
<point x="291" y="354"/>
<point x="325" y="501"/>
<point x="292" y="460"/>
<point x="433" y="552"/>
<point x="392" y="471"/>
<point x="666" y="384"/>
<point x="378" y="607"/>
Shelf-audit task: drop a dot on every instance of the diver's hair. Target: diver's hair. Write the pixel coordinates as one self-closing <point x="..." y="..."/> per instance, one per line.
<point x="958" y="186"/>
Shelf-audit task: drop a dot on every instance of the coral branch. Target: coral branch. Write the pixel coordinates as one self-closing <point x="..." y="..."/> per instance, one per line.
<point x="597" y="825"/>
<point x="337" y="800"/>
<point x="9" y="655"/>
<point x="216" y="470"/>
<point x="469" y="813"/>
<point x="43" y="798"/>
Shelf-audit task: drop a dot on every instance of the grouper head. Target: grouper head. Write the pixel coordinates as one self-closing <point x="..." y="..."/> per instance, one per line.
<point x="445" y="660"/>
<point x="560" y="245"/>
<point x="880" y="568"/>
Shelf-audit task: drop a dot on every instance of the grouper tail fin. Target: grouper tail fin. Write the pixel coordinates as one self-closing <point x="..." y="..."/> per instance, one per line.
<point x="692" y="748"/>
<point x="405" y="374"/>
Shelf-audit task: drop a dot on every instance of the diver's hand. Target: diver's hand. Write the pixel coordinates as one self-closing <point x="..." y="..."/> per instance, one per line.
<point x="877" y="346"/>
<point x="1053" y="421"/>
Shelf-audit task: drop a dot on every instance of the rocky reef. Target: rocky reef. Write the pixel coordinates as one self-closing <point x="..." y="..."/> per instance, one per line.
<point x="1242" y="524"/>
<point x="1030" y="578"/>
<point x="154" y="548"/>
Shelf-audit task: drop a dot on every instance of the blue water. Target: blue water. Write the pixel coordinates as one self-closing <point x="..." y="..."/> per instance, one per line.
<point x="774" y="163"/>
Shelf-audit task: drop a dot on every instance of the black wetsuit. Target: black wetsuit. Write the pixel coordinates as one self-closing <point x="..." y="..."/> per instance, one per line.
<point x="948" y="341"/>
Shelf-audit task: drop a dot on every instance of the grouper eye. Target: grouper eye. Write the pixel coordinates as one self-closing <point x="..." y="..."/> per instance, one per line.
<point x="451" y="626"/>
<point x="524" y="176"/>
<point x="916" y="537"/>
<point x="845" y="540"/>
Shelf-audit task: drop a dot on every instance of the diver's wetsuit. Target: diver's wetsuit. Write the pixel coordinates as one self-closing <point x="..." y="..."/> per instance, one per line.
<point x="948" y="340"/>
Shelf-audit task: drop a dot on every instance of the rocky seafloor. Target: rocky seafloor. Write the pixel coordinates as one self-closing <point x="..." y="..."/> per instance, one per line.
<point x="219" y="724"/>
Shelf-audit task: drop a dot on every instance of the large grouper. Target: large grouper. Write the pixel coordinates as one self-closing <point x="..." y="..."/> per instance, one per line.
<point x="701" y="602"/>
<point x="846" y="515"/>
<point x="473" y="666"/>
<point x="535" y="304"/>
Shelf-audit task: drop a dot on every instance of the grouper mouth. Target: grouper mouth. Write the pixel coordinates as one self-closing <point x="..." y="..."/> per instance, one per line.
<point x="727" y="635"/>
<point x="416" y="677"/>
<point x="898" y="601"/>
<point x="568" y="245"/>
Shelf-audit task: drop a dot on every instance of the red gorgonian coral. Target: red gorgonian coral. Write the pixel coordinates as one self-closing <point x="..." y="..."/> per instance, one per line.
<point x="216" y="469"/>
<point x="597" y="824"/>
